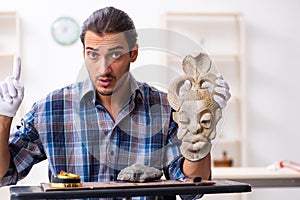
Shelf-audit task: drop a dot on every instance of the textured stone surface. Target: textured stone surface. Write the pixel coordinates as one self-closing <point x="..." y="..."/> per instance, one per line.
<point x="139" y="173"/>
<point x="197" y="113"/>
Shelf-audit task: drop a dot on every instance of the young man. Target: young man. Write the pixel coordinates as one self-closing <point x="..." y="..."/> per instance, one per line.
<point x="97" y="127"/>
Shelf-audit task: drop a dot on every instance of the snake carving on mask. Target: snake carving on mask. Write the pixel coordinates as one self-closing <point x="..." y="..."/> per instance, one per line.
<point x="196" y="111"/>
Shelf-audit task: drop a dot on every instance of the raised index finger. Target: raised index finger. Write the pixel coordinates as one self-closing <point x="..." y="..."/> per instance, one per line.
<point x="17" y="68"/>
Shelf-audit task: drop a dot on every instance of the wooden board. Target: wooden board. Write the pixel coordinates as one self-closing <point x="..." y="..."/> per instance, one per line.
<point x="120" y="184"/>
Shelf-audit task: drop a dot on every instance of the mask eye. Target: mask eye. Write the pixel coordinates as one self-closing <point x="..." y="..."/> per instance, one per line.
<point x="184" y="120"/>
<point x="205" y="120"/>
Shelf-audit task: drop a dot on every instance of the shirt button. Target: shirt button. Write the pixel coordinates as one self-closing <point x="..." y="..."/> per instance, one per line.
<point x="111" y="177"/>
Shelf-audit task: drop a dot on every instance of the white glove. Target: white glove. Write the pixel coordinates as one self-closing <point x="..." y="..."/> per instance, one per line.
<point x="185" y="87"/>
<point x="11" y="91"/>
<point x="222" y="89"/>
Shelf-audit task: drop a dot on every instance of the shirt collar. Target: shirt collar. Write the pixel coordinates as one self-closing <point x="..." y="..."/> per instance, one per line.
<point x="88" y="92"/>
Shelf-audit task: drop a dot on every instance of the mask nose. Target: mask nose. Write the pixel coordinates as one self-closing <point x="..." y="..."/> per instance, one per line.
<point x="194" y="127"/>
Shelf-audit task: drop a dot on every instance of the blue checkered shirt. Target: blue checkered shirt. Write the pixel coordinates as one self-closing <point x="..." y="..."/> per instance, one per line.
<point x="78" y="135"/>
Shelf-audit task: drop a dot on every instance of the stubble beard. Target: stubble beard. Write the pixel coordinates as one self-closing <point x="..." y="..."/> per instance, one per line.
<point x="105" y="93"/>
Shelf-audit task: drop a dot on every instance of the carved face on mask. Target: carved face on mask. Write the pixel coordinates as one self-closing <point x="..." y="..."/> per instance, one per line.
<point x="196" y="118"/>
<point x="197" y="114"/>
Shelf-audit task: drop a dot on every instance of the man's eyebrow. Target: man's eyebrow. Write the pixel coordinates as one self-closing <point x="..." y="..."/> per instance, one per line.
<point x="110" y="49"/>
<point x="116" y="47"/>
<point x="91" y="48"/>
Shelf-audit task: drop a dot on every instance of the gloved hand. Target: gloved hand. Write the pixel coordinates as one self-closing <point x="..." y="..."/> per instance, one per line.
<point x="222" y="89"/>
<point x="11" y="91"/>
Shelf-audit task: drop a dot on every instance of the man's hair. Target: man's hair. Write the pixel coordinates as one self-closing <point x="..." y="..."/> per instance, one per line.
<point x="110" y="20"/>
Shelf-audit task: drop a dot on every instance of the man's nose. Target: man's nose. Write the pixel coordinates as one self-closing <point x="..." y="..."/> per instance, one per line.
<point x="104" y="66"/>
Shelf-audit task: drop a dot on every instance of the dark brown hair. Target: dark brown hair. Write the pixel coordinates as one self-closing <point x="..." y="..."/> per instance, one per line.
<point x="110" y="20"/>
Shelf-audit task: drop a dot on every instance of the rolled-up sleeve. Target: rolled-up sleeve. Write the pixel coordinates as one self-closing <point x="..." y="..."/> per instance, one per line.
<point x="11" y="177"/>
<point x="25" y="150"/>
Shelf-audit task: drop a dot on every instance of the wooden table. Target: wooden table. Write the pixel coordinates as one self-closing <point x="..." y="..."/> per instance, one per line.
<point x="259" y="176"/>
<point x="220" y="186"/>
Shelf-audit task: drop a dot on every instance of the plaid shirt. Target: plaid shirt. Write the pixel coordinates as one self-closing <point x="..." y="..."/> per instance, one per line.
<point x="78" y="135"/>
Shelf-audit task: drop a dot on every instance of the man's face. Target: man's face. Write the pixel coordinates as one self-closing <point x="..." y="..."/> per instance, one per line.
<point x="107" y="59"/>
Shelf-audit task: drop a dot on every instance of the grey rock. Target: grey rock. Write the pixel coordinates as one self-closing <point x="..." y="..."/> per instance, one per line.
<point x="139" y="173"/>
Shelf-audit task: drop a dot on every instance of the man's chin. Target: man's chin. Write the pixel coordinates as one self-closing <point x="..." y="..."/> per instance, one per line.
<point x="105" y="93"/>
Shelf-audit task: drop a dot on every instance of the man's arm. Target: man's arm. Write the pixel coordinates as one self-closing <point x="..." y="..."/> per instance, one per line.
<point x="11" y="96"/>
<point x="201" y="168"/>
<point x="5" y="123"/>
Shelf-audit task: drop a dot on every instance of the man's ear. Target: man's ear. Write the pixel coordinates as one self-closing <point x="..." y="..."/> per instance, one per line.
<point x="134" y="53"/>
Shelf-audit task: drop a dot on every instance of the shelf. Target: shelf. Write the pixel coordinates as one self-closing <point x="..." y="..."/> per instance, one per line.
<point x="259" y="176"/>
<point x="232" y="148"/>
<point x="6" y="55"/>
<point x="9" y="41"/>
<point x="216" y="33"/>
<point x="9" y="32"/>
<point x="221" y="35"/>
<point x="6" y="63"/>
<point x="9" y="46"/>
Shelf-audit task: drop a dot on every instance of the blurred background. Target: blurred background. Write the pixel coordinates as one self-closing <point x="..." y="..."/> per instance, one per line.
<point x="254" y="43"/>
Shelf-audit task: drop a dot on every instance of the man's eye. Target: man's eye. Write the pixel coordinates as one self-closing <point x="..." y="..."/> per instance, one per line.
<point x="115" y="55"/>
<point x="92" y="55"/>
